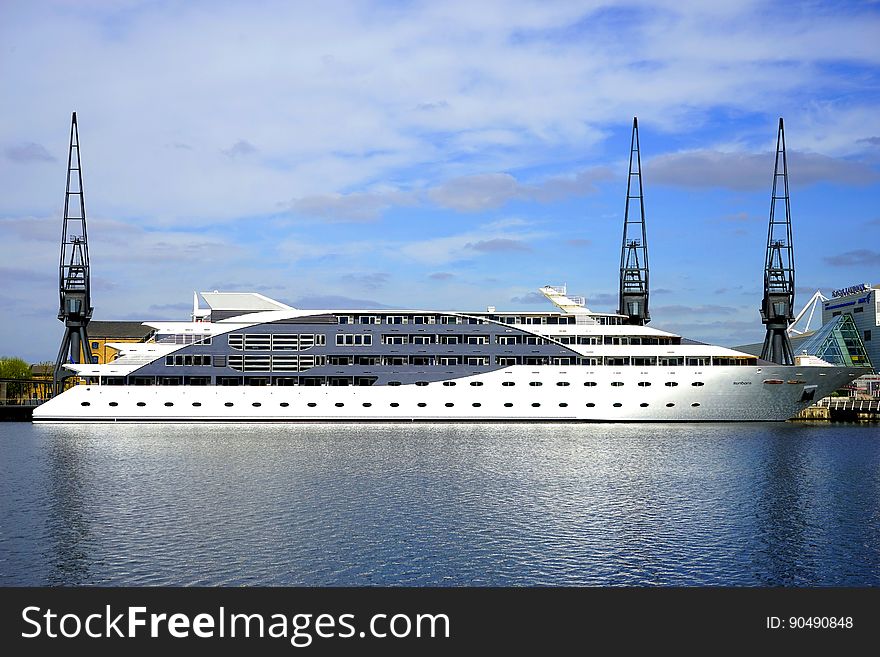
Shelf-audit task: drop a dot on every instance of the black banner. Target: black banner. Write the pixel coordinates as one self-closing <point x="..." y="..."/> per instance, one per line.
<point x="432" y="620"/>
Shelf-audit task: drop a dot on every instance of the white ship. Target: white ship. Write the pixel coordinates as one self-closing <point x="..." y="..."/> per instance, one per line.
<point x="248" y="358"/>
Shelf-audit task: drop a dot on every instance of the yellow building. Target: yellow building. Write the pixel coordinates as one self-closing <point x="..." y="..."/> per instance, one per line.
<point x="103" y="332"/>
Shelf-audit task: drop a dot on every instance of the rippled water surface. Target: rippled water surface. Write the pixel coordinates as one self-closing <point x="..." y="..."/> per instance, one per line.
<point x="756" y="504"/>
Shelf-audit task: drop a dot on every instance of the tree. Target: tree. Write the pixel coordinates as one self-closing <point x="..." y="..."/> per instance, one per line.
<point x="14" y="368"/>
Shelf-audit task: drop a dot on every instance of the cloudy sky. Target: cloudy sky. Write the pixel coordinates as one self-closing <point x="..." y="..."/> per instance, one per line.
<point x="432" y="154"/>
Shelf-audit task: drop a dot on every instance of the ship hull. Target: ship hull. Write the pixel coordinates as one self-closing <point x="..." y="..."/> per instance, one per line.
<point x="513" y="394"/>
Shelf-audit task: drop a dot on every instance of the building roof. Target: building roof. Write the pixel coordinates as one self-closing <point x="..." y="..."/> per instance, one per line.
<point x="101" y="330"/>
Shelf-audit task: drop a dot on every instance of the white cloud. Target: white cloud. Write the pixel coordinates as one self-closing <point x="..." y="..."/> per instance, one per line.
<point x="345" y="95"/>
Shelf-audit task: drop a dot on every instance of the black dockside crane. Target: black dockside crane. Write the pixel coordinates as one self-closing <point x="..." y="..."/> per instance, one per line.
<point x="634" y="252"/>
<point x="75" y="308"/>
<point x="777" y="308"/>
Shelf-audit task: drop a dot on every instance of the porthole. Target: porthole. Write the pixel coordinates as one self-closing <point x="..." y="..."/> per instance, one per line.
<point x="256" y="404"/>
<point x="617" y="405"/>
<point x="85" y="404"/>
<point x="643" y="405"/>
<point x="311" y="404"/>
<point x="671" y="384"/>
<point x="644" y="384"/>
<point x="476" y="404"/>
<point x="228" y="404"/>
<point x="563" y="405"/>
<point x="697" y="384"/>
<point x="113" y="404"/>
<point x="590" y="404"/>
<point x="535" y="404"/>
<point x="367" y="404"/>
<point x="476" y="383"/>
<point x="339" y="404"/>
<point x="421" y="404"/>
<point x="284" y="404"/>
<point x="141" y="404"/>
<point x="508" y="405"/>
<point x="394" y="383"/>
<point x="563" y="383"/>
<point x="421" y="383"/>
<point x="394" y="404"/>
<point x="670" y="405"/>
<point x="449" y="383"/>
<point x="695" y="404"/>
<point x="617" y="384"/>
<point x="589" y="384"/>
<point x="535" y="383"/>
<point x="508" y="383"/>
<point x="197" y="403"/>
<point x="449" y="404"/>
<point x="169" y="403"/>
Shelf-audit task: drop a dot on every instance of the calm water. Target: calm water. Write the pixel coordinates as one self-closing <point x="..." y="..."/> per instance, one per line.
<point x="774" y="504"/>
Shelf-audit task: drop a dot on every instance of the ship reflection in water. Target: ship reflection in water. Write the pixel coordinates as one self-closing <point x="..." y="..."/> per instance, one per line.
<point x="754" y="505"/>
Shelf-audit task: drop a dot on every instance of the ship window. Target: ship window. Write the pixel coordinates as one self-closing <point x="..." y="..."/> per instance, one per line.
<point x="535" y="404"/>
<point x="141" y="404"/>
<point x="617" y="384"/>
<point x="617" y="405"/>
<point x="476" y="383"/>
<point x="169" y="403"/>
<point x="421" y="383"/>
<point x="394" y="404"/>
<point x="85" y="404"/>
<point x="695" y="404"/>
<point x="476" y="404"/>
<point x="670" y="405"/>
<point x="508" y="383"/>
<point x="394" y="383"/>
<point x="643" y="405"/>
<point x="563" y="405"/>
<point x="535" y="383"/>
<point x="169" y="360"/>
<point x="671" y="384"/>
<point x="421" y="404"/>
<point x="508" y="404"/>
<point x="449" y="383"/>
<point x="284" y="404"/>
<point x="339" y="404"/>
<point x="563" y="383"/>
<point x="697" y="384"/>
<point x="256" y="404"/>
<point x="197" y="403"/>
<point x="590" y="404"/>
<point x="366" y="404"/>
<point x="114" y="404"/>
<point x="589" y="383"/>
<point x="311" y="404"/>
<point x="449" y="404"/>
<point x="644" y="384"/>
<point x="228" y="404"/>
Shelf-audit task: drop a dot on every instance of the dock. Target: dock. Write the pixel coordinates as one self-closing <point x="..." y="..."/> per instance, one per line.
<point x="842" y="409"/>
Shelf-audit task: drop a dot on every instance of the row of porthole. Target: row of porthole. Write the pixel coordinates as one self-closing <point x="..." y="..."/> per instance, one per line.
<point x="394" y="404"/>
<point x="643" y="384"/>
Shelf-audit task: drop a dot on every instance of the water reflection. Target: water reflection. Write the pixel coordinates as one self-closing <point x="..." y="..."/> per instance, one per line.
<point x="68" y="526"/>
<point x="443" y="505"/>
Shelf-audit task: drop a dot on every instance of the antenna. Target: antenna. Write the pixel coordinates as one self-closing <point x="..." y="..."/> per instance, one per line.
<point x="75" y="307"/>
<point x="634" y="251"/>
<point x="777" y="308"/>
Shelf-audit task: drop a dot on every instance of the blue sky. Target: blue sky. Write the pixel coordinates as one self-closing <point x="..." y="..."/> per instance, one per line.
<point x="443" y="155"/>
